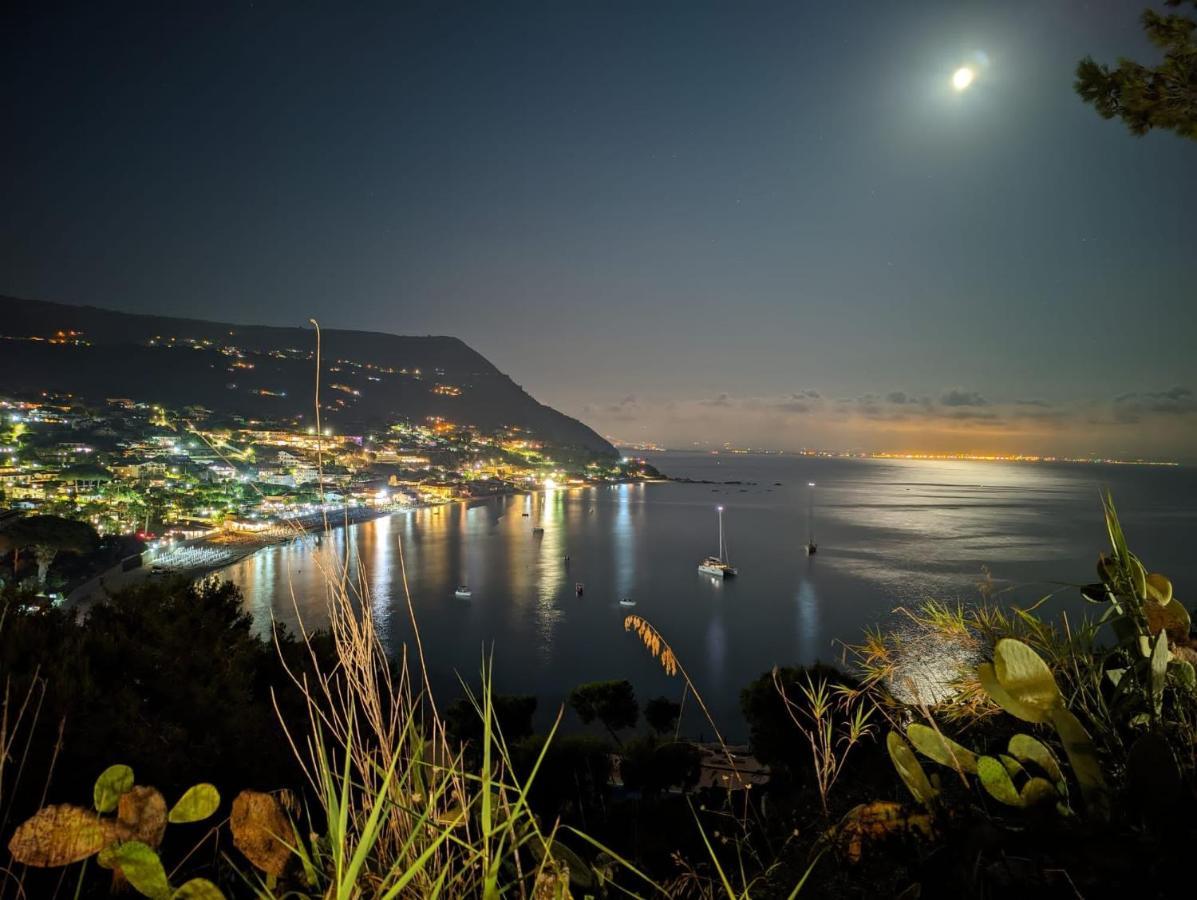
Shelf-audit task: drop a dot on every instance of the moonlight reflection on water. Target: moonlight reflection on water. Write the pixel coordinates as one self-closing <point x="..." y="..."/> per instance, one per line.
<point x="891" y="533"/>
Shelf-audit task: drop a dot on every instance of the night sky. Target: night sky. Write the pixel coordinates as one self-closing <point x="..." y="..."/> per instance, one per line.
<point x="774" y="224"/>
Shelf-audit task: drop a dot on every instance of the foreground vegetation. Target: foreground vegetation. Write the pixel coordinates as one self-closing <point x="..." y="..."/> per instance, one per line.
<point x="1059" y="760"/>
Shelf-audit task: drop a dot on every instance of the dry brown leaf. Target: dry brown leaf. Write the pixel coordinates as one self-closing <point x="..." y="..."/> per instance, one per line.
<point x="288" y="801"/>
<point x="259" y="828"/>
<point x="552" y="882"/>
<point x="876" y="821"/>
<point x="60" y="835"/>
<point x="142" y="811"/>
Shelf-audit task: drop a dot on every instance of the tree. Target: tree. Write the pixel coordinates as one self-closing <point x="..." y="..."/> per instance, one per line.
<point x="49" y="536"/>
<point x="1143" y="97"/>
<point x="611" y="702"/>
<point x="774" y="737"/>
<point x="652" y="767"/>
<point x="167" y="677"/>
<point x="572" y="774"/>
<point x="662" y="714"/>
<point x="512" y="713"/>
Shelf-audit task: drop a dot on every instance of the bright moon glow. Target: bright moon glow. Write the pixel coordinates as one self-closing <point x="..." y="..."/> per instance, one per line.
<point x="962" y="78"/>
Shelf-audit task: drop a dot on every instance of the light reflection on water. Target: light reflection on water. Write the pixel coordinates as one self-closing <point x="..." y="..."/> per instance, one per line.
<point x="889" y="533"/>
<point x="808" y="618"/>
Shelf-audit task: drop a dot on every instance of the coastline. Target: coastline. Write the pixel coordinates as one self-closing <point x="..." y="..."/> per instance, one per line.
<point x="200" y="557"/>
<point x="213" y="554"/>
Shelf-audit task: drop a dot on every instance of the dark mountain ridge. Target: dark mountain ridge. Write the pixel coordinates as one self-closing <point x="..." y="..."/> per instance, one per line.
<point x="261" y="371"/>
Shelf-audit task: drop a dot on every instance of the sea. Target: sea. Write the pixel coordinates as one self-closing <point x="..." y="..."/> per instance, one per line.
<point x="891" y="534"/>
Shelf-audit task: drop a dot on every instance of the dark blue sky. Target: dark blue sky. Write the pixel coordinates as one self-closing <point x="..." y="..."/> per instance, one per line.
<point x="769" y="223"/>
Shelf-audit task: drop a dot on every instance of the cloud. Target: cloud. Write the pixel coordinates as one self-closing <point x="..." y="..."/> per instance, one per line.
<point x="965" y="415"/>
<point x="800" y="402"/>
<point x="626" y="409"/>
<point x="1035" y="401"/>
<point x="957" y="397"/>
<point x="797" y="402"/>
<point x="1174" y="401"/>
<point x="901" y="398"/>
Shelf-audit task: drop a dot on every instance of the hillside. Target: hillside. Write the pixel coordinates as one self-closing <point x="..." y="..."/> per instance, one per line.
<point x="267" y="372"/>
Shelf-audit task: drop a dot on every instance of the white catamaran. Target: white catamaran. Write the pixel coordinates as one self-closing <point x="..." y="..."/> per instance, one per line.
<point x="718" y="566"/>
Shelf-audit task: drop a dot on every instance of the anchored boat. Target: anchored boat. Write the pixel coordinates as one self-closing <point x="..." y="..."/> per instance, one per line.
<point x="718" y="566"/>
<point x="811" y="547"/>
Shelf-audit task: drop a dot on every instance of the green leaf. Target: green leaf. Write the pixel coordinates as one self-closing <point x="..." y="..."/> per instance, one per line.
<point x="112" y="783"/>
<point x="1025" y="748"/>
<point x="1159" y="589"/>
<point x="1183" y="671"/>
<point x="141" y="866"/>
<point x="198" y="889"/>
<point x="1012" y="766"/>
<point x="909" y="769"/>
<point x="1025" y="677"/>
<point x="1082" y="756"/>
<point x="998" y="695"/>
<point x="1138" y="578"/>
<point x="1160" y="656"/>
<point x="1125" y="630"/>
<point x="196" y="804"/>
<point x="941" y="749"/>
<point x="1036" y="791"/>
<point x="996" y="781"/>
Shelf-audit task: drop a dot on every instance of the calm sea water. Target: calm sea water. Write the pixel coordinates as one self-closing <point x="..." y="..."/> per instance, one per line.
<point x="889" y="533"/>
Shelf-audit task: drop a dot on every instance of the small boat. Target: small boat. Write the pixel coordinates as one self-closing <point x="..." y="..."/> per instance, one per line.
<point x="538" y="531"/>
<point x="525" y="515"/>
<point x="579" y="588"/>
<point x="627" y="601"/>
<point x="463" y="593"/>
<point x="810" y="547"/>
<point x="718" y="566"/>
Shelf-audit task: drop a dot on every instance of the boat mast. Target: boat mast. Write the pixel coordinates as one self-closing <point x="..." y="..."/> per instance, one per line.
<point x="810" y="514"/>
<point x="720" y="533"/>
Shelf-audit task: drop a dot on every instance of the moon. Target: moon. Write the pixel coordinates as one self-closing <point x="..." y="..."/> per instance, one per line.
<point x="962" y="78"/>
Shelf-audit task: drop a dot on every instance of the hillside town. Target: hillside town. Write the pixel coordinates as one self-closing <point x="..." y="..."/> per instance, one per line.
<point x="190" y="490"/>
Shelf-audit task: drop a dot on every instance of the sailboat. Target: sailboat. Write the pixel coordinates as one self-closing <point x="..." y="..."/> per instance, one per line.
<point x="811" y="547"/>
<point x="718" y="566"/>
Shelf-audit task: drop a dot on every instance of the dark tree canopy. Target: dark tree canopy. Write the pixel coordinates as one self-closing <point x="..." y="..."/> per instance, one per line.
<point x="653" y="767"/>
<point x="774" y="737"/>
<point x="168" y="678"/>
<point x="48" y="536"/>
<point x="50" y="531"/>
<point x="572" y="776"/>
<point x="1145" y="97"/>
<point x="662" y="714"/>
<point x="512" y="713"/>
<point x="611" y="702"/>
